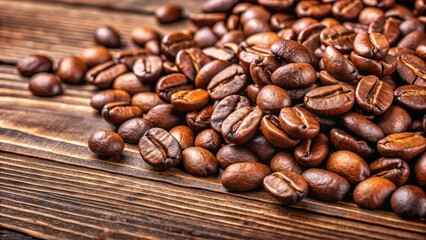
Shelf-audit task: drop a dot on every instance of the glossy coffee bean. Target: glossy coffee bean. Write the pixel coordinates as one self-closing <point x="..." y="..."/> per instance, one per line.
<point x="106" y="143"/>
<point x="252" y="91"/>
<point x="189" y="100"/>
<point x="199" y="162"/>
<point x="339" y="37"/>
<point x="133" y="129"/>
<point x="338" y="66"/>
<point x="294" y="76"/>
<point x="116" y="113"/>
<point x="230" y="80"/>
<point x="218" y="6"/>
<point x="394" y="169"/>
<point x="206" y="19"/>
<point x="421" y="51"/>
<point x="405" y="145"/>
<point x="169" y="13"/>
<point x="389" y="27"/>
<point x="412" y="40"/>
<point x="241" y="125"/>
<point x="220" y="53"/>
<point x="373" y="95"/>
<point x="225" y="107"/>
<point x="394" y="120"/>
<point x="346" y="9"/>
<point x="190" y="61"/>
<point x="263" y="149"/>
<point x="299" y="123"/>
<point x="312" y="152"/>
<point x="142" y="34"/>
<point x="409" y="202"/>
<point x="164" y="116"/>
<point x="245" y="176"/>
<point x="371" y="45"/>
<point x="100" y="99"/>
<point x="314" y="9"/>
<point x="343" y="141"/>
<point x="325" y="185"/>
<point x="255" y="26"/>
<point x="129" y="56"/>
<point x="34" y="64"/>
<point x="286" y="186"/>
<point x="420" y="171"/>
<point x="272" y="98"/>
<point x="208" y="139"/>
<point x="412" y="69"/>
<point x="412" y="97"/>
<point x="262" y="68"/>
<point x="45" y="85"/>
<point x="330" y="100"/>
<point x="208" y="71"/>
<point x="169" y="84"/>
<point x="281" y="21"/>
<point x="369" y="14"/>
<point x="247" y="54"/>
<point x="383" y="67"/>
<point x="348" y="165"/>
<point x="231" y="153"/>
<point x="275" y="134"/>
<point x="107" y="36"/>
<point x="160" y="149"/>
<point x="146" y="100"/>
<point x="95" y="55"/>
<point x="285" y="161"/>
<point x="71" y="69"/>
<point x="291" y="51"/>
<point x="148" y="68"/>
<point x="103" y="75"/>
<point x="201" y="119"/>
<point x="362" y="126"/>
<point x="277" y="5"/>
<point x="173" y="42"/>
<point x="373" y="193"/>
<point x="184" y="135"/>
<point x="263" y="39"/>
<point x="205" y="37"/>
<point x="130" y="83"/>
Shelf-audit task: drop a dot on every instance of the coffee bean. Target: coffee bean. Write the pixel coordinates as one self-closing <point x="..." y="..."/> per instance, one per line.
<point x="373" y="95"/>
<point x="383" y="67"/>
<point x="252" y="92"/>
<point x="275" y="134"/>
<point x="394" y="169"/>
<point x="373" y="192"/>
<point x="160" y="149"/>
<point x="412" y="40"/>
<point x="371" y="45"/>
<point x="95" y="55"/>
<point x="164" y="116"/>
<point x="389" y="27"/>
<point x="100" y="99"/>
<point x="412" y="97"/>
<point x="199" y="162"/>
<point x="309" y="37"/>
<point x="107" y="36"/>
<point x="263" y="149"/>
<point x="420" y="171"/>
<point x="255" y="25"/>
<point x="272" y="98"/>
<point x="34" y="64"/>
<point x="173" y="42"/>
<point x="45" y="85"/>
<point x="208" y="71"/>
<point x="245" y="176"/>
<point x="208" y="139"/>
<point x="130" y="83"/>
<point x="409" y="202"/>
<point x="148" y="68"/>
<point x="220" y="53"/>
<point x="277" y="5"/>
<point x="281" y="21"/>
<point x="250" y="53"/>
<point x="133" y="129"/>
<point x="262" y="68"/>
<point x="362" y="126"/>
<point x="338" y="66"/>
<point x="348" y="165"/>
<point x="312" y="152"/>
<point x="201" y="119"/>
<point x="169" y="13"/>
<point x="302" y="23"/>
<point x="206" y="19"/>
<point x="254" y="11"/>
<point x="205" y="37"/>
<point x="369" y="14"/>
<point x="190" y="61"/>
<point x="339" y="37"/>
<point x="218" y="6"/>
<point x="231" y="153"/>
<point x="71" y="69"/>
<point x="412" y="69"/>
<point x="106" y="143"/>
<point x="170" y="84"/>
<point x="219" y="29"/>
<point x="287" y="34"/>
<point x="146" y="100"/>
<point x="346" y="9"/>
<point x="299" y="123"/>
<point x="116" y="113"/>
<point x="286" y="186"/>
<point x="405" y="145"/>
<point x="103" y="75"/>
<point x="343" y="141"/>
<point x="394" y="120"/>
<point x="129" y="57"/>
<point x="170" y="67"/>
<point x="184" y="135"/>
<point x="189" y="100"/>
<point x="330" y="100"/>
<point x="325" y="185"/>
<point x="297" y="95"/>
<point x="421" y="51"/>
<point x="241" y="125"/>
<point x="291" y="51"/>
<point x="142" y="34"/>
<point x="398" y="51"/>
<point x="230" y="80"/>
<point x="285" y="161"/>
<point x="317" y="10"/>
<point x="294" y="76"/>
<point x="262" y="39"/>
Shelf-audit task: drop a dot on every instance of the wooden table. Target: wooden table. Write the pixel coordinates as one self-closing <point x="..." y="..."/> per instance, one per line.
<point x="53" y="187"/>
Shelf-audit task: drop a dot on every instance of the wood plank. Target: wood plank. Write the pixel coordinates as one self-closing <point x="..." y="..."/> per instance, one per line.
<point x="6" y="234"/>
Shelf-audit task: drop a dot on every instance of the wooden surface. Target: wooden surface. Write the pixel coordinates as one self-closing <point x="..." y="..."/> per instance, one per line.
<point x="53" y="187"/>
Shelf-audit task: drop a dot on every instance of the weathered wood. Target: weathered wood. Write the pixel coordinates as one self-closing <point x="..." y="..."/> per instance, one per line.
<point x="6" y="234"/>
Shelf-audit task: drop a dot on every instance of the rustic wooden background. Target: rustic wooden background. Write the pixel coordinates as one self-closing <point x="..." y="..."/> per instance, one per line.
<point x="53" y="187"/>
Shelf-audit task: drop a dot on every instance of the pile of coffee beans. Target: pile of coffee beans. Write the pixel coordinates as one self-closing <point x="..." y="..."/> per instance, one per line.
<point x="302" y="98"/>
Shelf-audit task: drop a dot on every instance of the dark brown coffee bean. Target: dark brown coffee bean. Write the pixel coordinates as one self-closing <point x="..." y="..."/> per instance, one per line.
<point x="394" y="169"/>
<point x="218" y="6"/>
<point x="389" y="27"/>
<point x="312" y="152"/>
<point x="255" y="11"/>
<point x="129" y="57"/>
<point x="148" y="68"/>
<point x="184" y="135"/>
<point x="252" y="91"/>
<point x="371" y="45"/>
<point x="71" y="69"/>
<point x="153" y="47"/>
<point x="291" y="51"/>
<point x="106" y="143"/>
<point x="189" y="100"/>
<point x="219" y="29"/>
<point x="107" y="36"/>
<point x="338" y="66"/>
<point x="164" y="116"/>
<point x="309" y="37"/>
<point x="343" y="141"/>
<point x="45" y="85"/>
<point x="160" y="149"/>
<point x="330" y="100"/>
<point x="34" y="64"/>
<point x="411" y="25"/>
<point x="199" y="162"/>
<point x="314" y="9"/>
<point x="146" y="100"/>
<point x="280" y="21"/>
<point x="225" y="107"/>
<point x="362" y="126"/>
<point x="170" y="84"/>
<point x="241" y="125"/>
<point x="190" y="61"/>
<point x="412" y="40"/>
<point x="220" y="53"/>
<point x="262" y="39"/>
<point x="380" y="68"/>
<point x="348" y="165"/>
<point x="206" y="19"/>
<point x="208" y="71"/>
<point x="294" y="76"/>
<point x="412" y="69"/>
<point x="133" y="129"/>
<point x="130" y="83"/>
<point x="346" y="9"/>
<point x="169" y="13"/>
<point x="262" y="68"/>
<point x="285" y="161"/>
<point x="245" y="176"/>
<point x="297" y="95"/>
<point x="271" y="99"/>
<point x="405" y="145"/>
<point x="412" y="97"/>
<point x="394" y="120"/>
<point x="200" y="120"/>
<point x="373" y="95"/>
<point x="100" y="99"/>
<point x="299" y="123"/>
<point x="95" y="55"/>
<point x="409" y="202"/>
<point x="229" y="81"/>
<point x="369" y="14"/>
<point x="421" y="51"/>
<point x="398" y="51"/>
<point x="173" y="42"/>
<point x="339" y="37"/>
<point x="208" y="139"/>
<point x="205" y="37"/>
<point x="275" y="134"/>
<point x="286" y="186"/>
<point x="116" y="113"/>
<point x="287" y="34"/>
<point x="420" y="171"/>
<point x="373" y="193"/>
<point x="302" y="23"/>
<point x="103" y="75"/>
<point x="325" y="185"/>
<point x="231" y="153"/>
<point x="283" y="5"/>
<point x="142" y="34"/>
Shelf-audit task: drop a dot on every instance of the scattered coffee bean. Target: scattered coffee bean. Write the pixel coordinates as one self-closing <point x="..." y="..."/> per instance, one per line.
<point x="164" y="116"/>
<point x="71" y="69"/>
<point x="394" y="169"/>
<point x="231" y="153"/>
<point x="199" y="120"/>
<point x="241" y="125"/>
<point x="325" y="185"/>
<point x="199" y="162"/>
<point x="285" y="161"/>
<point x="104" y="97"/>
<point x="130" y="83"/>
<point x="141" y="35"/>
<point x="184" y="135"/>
<point x="45" y="85"/>
<point x="103" y="75"/>
<point x="244" y="176"/>
<point x="208" y="139"/>
<point x="409" y="202"/>
<point x="106" y="143"/>
<point x="116" y="113"/>
<point x="148" y="68"/>
<point x="373" y="192"/>
<point x="299" y="123"/>
<point x="348" y="165"/>
<point x="34" y="64"/>
<point x="405" y="145"/>
<point x="312" y="152"/>
<point x="146" y="100"/>
<point x="286" y="186"/>
<point x="420" y="171"/>
<point x="95" y="55"/>
<point x="169" y="13"/>
<point x="107" y="36"/>
<point x="133" y="129"/>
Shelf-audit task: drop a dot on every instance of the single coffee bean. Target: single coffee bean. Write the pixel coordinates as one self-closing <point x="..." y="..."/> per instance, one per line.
<point x="383" y="67"/>
<point x="405" y="145"/>
<point x="244" y="176"/>
<point x="343" y="141"/>
<point x="263" y="39"/>
<point x="71" y="69"/>
<point x="100" y="99"/>
<point x="169" y="13"/>
<point x="287" y="34"/>
<point x="339" y="37"/>
<point x="412" y="40"/>
<point x="277" y="5"/>
<point x="275" y="134"/>
<point x="299" y="123"/>
<point x="398" y="51"/>
<point x="241" y="125"/>
<point x="294" y="76"/>
<point x="218" y="6"/>
<point x="409" y="202"/>
<point x="309" y="38"/>
<point x="286" y="186"/>
<point x="394" y="120"/>
<point x="206" y="19"/>
<point x="107" y="36"/>
<point x="116" y="113"/>
<point x="133" y="129"/>
<point x="201" y="119"/>
<point x="254" y="26"/>
<point x="160" y="149"/>
<point x="338" y="66"/>
<point x="220" y="53"/>
<point x="314" y="9"/>
<point x="45" y="85"/>
<point x="252" y="91"/>
<point x="362" y="126"/>
<point x="199" y="162"/>
<point x="106" y="143"/>
<point x="291" y="51"/>
<point x="369" y="15"/>
<point x="383" y="4"/>
<point x="231" y="153"/>
<point x="285" y="161"/>
<point x="142" y="34"/>
<point x="129" y="57"/>
<point x="312" y="152"/>
<point x="281" y="21"/>
<point x="34" y="64"/>
<point x="164" y="116"/>
<point x="170" y="84"/>
<point x="103" y="75"/>
<point x="263" y="149"/>
<point x="412" y="97"/>
<point x="262" y="68"/>
<point x="130" y="83"/>
<point x="330" y="100"/>
<point x="208" y="71"/>
<point x="190" y="61"/>
<point x="348" y="165"/>
<point x="302" y="23"/>
<point x="219" y="29"/>
<point x="420" y="171"/>
<point x="146" y="100"/>
<point x="208" y="139"/>
<point x="248" y="54"/>
<point x="412" y="69"/>
<point x="371" y="45"/>
<point x="205" y="37"/>
<point x="272" y="98"/>
<point x="394" y="169"/>
<point x="421" y="51"/>
<point x="346" y="9"/>
<point x="229" y="81"/>
<point x="325" y="185"/>
<point x="184" y="135"/>
<point x="255" y="11"/>
<point x="95" y="55"/>
<point x="374" y="192"/>
<point x="173" y="42"/>
<point x="189" y="100"/>
<point x="373" y="95"/>
<point x="148" y="68"/>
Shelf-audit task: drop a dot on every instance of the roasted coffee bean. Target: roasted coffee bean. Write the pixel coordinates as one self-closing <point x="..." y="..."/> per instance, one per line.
<point x="169" y="13"/>
<point x="116" y="113"/>
<point x="225" y="107"/>
<point x="291" y="51"/>
<point x="348" y="165"/>
<point x="218" y="6"/>
<point x="160" y="149"/>
<point x="398" y="51"/>
<point x="373" y="95"/>
<point x="103" y="75"/>
<point x="241" y="125"/>
<point x="164" y="116"/>
<point x="412" y="40"/>
<point x="280" y="21"/>
<point x="148" y="68"/>
<point x="420" y="171"/>
<point x="277" y="5"/>
<point x="309" y="37"/>
<point x="301" y="24"/>
<point x="189" y="100"/>
<point x="394" y="169"/>
<point x="45" y="85"/>
<point x="248" y="54"/>
<point x="287" y="34"/>
<point x="411" y="25"/>
<point x="129" y="57"/>
<point x="362" y="126"/>
<point x="271" y="99"/>
<point x="421" y="51"/>
<point x="133" y="129"/>
<point x="220" y="53"/>
<point x="106" y="143"/>
<point x="314" y="9"/>
<point x="263" y="39"/>
<point x="299" y="123"/>
<point x="325" y="185"/>
<point x="338" y="66"/>
<point x="326" y="79"/>
<point x="297" y="95"/>
<point x="412" y="69"/>
<point x="230" y="80"/>
<point x="255" y="25"/>
<point x="199" y="162"/>
<point x="100" y="99"/>
<point x="329" y="22"/>
<point x="405" y="145"/>
<point x="383" y="4"/>
<point x="231" y="153"/>
<point x="142" y="34"/>
<point x="339" y="37"/>
<point x="205" y="37"/>
<point x="263" y="149"/>
<point x="95" y="55"/>
<point x="373" y="193"/>
<point x="173" y="42"/>
<point x="294" y="76"/>
<point x="371" y="45"/>
<point x="184" y="135"/>
<point x="130" y="83"/>
<point x="412" y="97"/>
<point x="208" y="139"/>
<point x="399" y="12"/>
<point x="389" y="27"/>
<point x="346" y="9"/>
<point x="219" y="29"/>
<point x="394" y="120"/>
<point x="330" y="100"/>
<point x="244" y="176"/>
<point x="312" y="152"/>
<point x="252" y="91"/>
<point x="200" y="120"/>
<point x="71" y="69"/>
<point x="170" y="84"/>
<point x="107" y="36"/>
<point x="208" y="71"/>
<point x="369" y="15"/>
<point x="170" y="67"/>
<point x="286" y="186"/>
<point x="34" y="64"/>
<point x="285" y="161"/>
<point x="275" y="134"/>
<point x="190" y="61"/>
<point x="206" y="19"/>
<point x="343" y="141"/>
<point x="254" y="11"/>
<point x="380" y="68"/>
<point x="146" y="100"/>
<point x="262" y="68"/>
<point x="355" y="27"/>
<point x="409" y="202"/>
